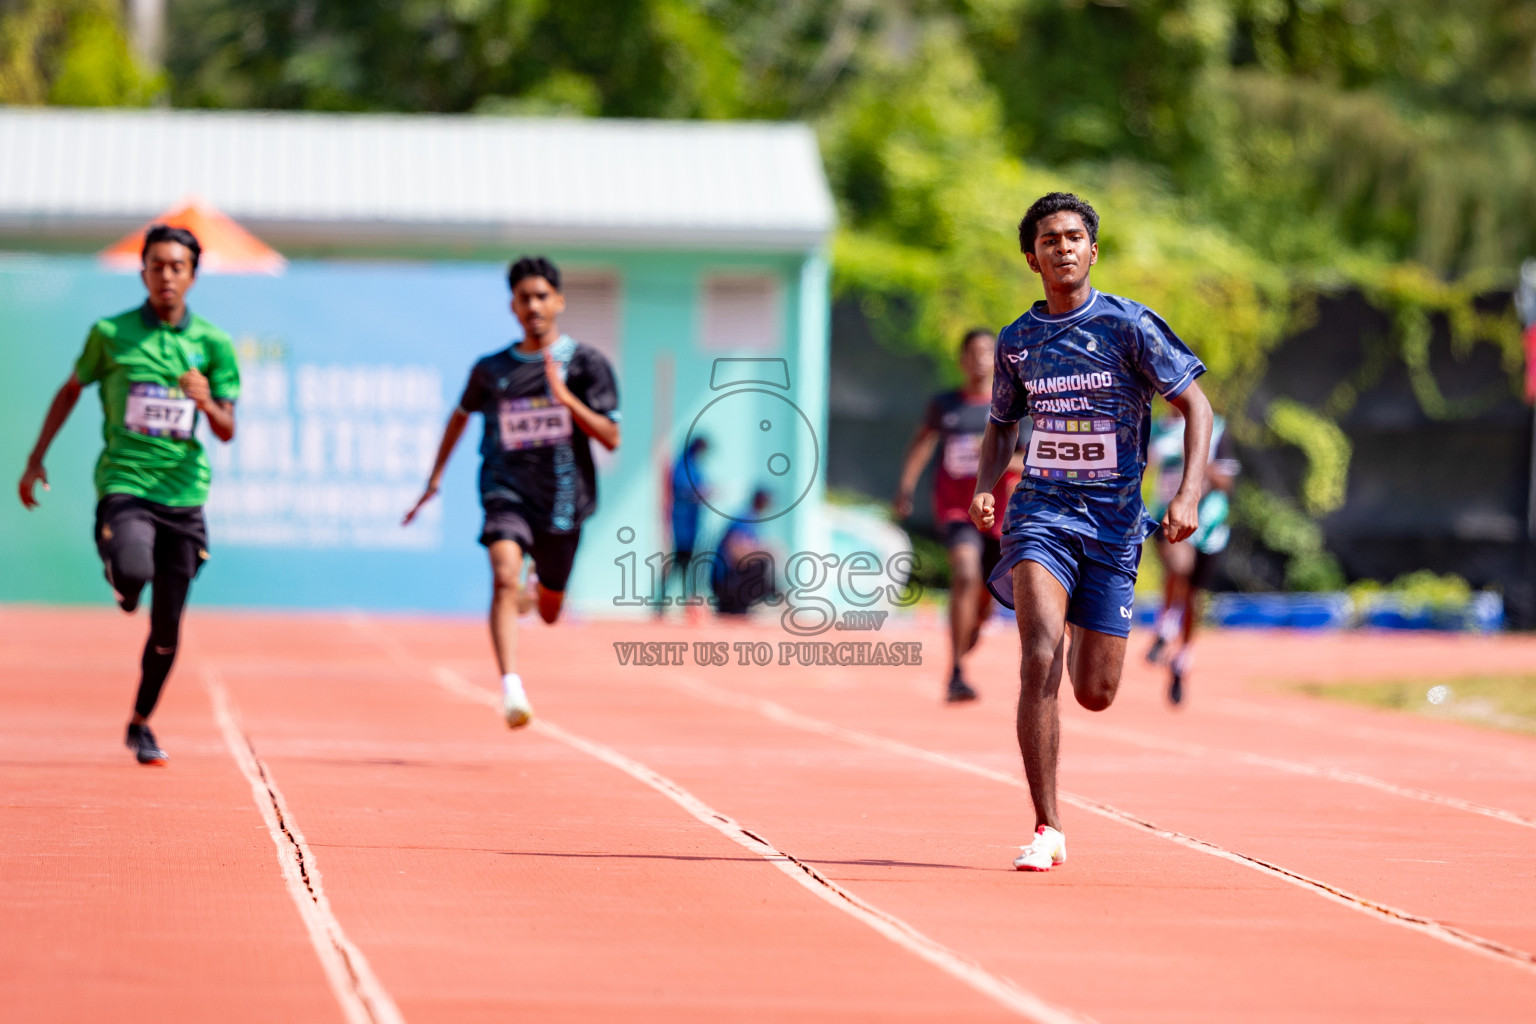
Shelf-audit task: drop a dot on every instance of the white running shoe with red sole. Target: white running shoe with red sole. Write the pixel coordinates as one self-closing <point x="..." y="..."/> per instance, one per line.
<point x="1046" y="851"/>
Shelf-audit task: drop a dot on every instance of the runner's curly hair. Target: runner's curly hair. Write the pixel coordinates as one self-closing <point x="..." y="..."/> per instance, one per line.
<point x="1055" y="202"/>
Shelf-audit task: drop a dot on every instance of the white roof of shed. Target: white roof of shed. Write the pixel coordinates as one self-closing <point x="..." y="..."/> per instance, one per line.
<point x="375" y="178"/>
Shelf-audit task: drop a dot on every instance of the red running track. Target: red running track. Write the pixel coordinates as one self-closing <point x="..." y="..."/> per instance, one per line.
<point x="347" y="832"/>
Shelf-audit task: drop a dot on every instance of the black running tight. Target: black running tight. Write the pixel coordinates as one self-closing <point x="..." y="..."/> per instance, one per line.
<point x="133" y="565"/>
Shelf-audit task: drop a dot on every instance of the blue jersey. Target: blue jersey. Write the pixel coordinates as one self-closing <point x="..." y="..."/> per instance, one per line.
<point x="1086" y="380"/>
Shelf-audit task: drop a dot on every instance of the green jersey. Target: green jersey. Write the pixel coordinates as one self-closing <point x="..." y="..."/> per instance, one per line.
<point x="148" y="424"/>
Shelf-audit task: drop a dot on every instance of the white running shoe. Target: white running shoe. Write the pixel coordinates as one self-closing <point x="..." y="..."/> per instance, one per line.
<point x="515" y="708"/>
<point x="1048" y="849"/>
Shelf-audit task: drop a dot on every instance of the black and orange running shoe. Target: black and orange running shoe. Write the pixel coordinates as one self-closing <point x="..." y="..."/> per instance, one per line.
<point x="142" y="742"/>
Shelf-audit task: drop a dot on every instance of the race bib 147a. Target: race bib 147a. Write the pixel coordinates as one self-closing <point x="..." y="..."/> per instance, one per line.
<point x="157" y="411"/>
<point x="1065" y="449"/>
<point x="533" y="423"/>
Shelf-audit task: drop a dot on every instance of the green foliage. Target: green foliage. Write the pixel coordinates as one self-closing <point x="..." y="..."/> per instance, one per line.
<point x="623" y="58"/>
<point x="70" y="53"/>
<point x="1326" y="448"/>
<point x="1418" y="590"/>
<point x="1412" y="297"/>
<point x="1287" y="530"/>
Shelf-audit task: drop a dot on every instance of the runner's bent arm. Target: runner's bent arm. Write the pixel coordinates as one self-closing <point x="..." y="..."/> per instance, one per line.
<point x="919" y="451"/>
<point x="997" y="446"/>
<point x="220" y="413"/>
<point x="1183" y="515"/>
<point x="451" y="434"/>
<point x="594" y="424"/>
<point x="63" y="404"/>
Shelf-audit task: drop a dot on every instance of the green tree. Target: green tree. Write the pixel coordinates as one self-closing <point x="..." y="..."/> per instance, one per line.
<point x="627" y="58"/>
<point x="70" y="53"/>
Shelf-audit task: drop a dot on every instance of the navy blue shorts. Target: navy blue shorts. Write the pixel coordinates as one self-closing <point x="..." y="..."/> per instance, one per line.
<point x="1100" y="579"/>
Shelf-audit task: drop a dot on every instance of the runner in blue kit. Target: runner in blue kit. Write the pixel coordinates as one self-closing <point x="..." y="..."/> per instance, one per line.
<point x="1084" y="367"/>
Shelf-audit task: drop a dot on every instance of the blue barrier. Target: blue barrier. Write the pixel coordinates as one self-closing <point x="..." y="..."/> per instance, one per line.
<point x="1482" y="613"/>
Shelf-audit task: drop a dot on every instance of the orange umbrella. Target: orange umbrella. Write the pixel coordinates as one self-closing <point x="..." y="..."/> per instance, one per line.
<point x="227" y="247"/>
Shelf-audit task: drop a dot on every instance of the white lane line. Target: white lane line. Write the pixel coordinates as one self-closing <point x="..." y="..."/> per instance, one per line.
<point x="1380" y="911"/>
<point x="1130" y="736"/>
<point x="1000" y="989"/>
<point x="363" y="1000"/>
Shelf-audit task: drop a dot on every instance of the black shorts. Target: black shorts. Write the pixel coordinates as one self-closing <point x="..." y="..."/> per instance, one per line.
<point x="961" y="532"/>
<point x="553" y="553"/>
<point x="1207" y="565"/>
<point x="177" y="534"/>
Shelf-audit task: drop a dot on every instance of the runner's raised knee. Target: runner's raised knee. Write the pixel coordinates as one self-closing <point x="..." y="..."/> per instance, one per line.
<point x="133" y="566"/>
<point x="1096" y="693"/>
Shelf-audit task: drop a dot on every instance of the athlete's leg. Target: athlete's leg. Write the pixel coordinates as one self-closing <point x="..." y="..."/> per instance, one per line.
<point x="125" y="539"/>
<point x="1100" y="612"/>
<point x="1177" y="561"/>
<point x="1040" y="602"/>
<point x="991" y="554"/>
<point x="1095" y="664"/>
<point x="1202" y="574"/>
<point x="506" y="580"/>
<point x="179" y="548"/>
<point x="168" y="602"/>
<point x="553" y="554"/>
<point x="966" y="589"/>
<point x="983" y="609"/>
<point x="550" y="603"/>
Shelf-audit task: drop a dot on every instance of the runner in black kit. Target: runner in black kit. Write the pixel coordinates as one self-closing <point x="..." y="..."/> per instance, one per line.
<point x="541" y="398"/>
<point x="955" y="423"/>
<point x="160" y="367"/>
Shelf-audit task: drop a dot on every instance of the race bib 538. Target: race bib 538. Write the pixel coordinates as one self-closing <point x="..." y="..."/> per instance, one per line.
<point x="157" y="411"/>
<point x="533" y="423"/>
<point x="1062" y="449"/>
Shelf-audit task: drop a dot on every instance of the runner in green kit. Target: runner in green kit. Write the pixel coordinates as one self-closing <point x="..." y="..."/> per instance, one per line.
<point x="159" y="366"/>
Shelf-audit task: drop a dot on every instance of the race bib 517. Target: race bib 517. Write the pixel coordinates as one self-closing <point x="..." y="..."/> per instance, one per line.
<point x="157" y="411"/>
<point x="533" y="423"/>
<point x="1063" y="449"/>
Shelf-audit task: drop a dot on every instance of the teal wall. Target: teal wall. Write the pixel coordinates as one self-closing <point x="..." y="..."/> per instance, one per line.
<point x="351" y="369"/>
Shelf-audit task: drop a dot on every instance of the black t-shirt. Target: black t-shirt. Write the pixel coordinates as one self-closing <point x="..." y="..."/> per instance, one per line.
<point x="960" y="422"/>
<point x="533" y="454"/>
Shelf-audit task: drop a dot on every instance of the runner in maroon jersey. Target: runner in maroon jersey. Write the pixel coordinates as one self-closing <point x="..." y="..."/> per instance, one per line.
<point x="954" y="423"/>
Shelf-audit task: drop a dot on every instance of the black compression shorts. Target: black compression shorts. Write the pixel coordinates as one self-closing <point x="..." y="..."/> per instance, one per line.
<point x="177" y="535"/>
<point x="553" y="553"/>
<point x="1207" y="565"/>
<point x="962" y="532"/>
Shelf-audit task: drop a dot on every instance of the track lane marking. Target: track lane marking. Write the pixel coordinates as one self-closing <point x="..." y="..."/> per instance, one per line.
<point x="1000" y="989"/>
<point x="1502" y="953"/>
<point x="1131" y="736"/>
<point x="363" y="999"/>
